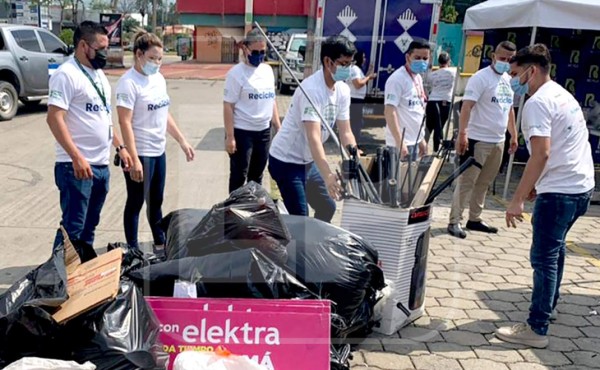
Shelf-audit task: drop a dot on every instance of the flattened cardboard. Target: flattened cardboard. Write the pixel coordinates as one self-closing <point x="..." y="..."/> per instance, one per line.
<point x="89" y="284"/>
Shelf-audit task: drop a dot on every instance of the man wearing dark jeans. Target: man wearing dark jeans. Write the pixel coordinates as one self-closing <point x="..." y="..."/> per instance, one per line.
<point x="249" y="160"/>
<point x="559" y="173"/>
<point x="297" y="160"/>
<point x="80" y="120"/>
<point x="151" y="191"/>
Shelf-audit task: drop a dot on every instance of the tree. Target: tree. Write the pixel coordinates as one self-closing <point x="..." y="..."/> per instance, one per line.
<point x="101" y="5"/>
<point x="125" y="6"/>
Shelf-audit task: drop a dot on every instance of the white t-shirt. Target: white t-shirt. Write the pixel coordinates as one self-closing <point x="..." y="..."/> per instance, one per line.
<point x="147" y="97"/>
<point x="553" y="112"/>
<point x="88" y="121"/>
<point x="441" y="83"/>
<point x="290" y="145"/>
<point x="494" y="99"/>
<point x="408" y="96"/>
<point x="356" y="72"/>
<point x="252" y="90"/>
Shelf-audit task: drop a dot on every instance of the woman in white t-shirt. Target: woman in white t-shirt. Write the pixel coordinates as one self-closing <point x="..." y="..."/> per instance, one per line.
<point x="249" y="109"/>
<point x="143" y="107"/>
<point x="358" y="91"/>
<point x="441" y="83"/>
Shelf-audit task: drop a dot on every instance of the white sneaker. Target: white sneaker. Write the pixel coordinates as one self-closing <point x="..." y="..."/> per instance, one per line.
<point x="522" y="334"/>
<point x="553" y="315"/>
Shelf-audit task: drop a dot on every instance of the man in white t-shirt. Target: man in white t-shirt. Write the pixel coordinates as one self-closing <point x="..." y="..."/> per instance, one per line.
<point x="405" y="102"/>
<point x="297" y="160"/>
<point x="441" y="83"/>
<point x="559" y="175"/>
<point x="358" y="91"/>
<point x="80" y="120"/>
<point x="485" y="115"/>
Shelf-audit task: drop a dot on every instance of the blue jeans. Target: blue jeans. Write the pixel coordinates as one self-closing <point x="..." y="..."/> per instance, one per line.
<point x="81" y="201"/>
<point x="301" y="185"/>
<point x="553" y="216"/>
<point x="151" y="190"/>
<point x="413" y="152"/>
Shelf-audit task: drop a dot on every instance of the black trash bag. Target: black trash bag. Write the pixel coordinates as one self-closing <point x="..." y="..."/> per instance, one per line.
<point x="240" y="274"/>
<point x="133" y="258"/>
<point x="178" y="225"/>
<point x="118" y="335"/>
<point x="26" y="324"/>
<point x="249" y="218"/>
<point x="340" y="356"/>
<point x="336" y="265"/>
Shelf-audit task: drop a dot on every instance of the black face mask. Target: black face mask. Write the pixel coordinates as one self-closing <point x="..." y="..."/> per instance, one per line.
<point x="99" y="60"/>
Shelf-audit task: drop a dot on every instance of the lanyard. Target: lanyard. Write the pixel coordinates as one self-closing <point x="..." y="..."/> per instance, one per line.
<point x="420" y="91"/>
<point x="100" y="93"/>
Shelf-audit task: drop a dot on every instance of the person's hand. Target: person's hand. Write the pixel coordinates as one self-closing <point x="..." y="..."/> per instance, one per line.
<point x="532" y="195"/>
<point x="188" y="151"/>
<point x="83" y="170"/>
<point x="422" y="148"/>
<point x="514" y="145"/>
<point x="371" y="72"/>
<point x="404" y="152"/>
<point x="514" y="213"/>
<point x="333" y="186"/>
<point x="125" y="159"/>
<point x="230" y="145"/>
<point x="462" y="143"/>
<point x="136" y="172"/>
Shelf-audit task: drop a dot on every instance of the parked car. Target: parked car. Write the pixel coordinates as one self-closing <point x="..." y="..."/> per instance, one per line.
<point x="26" y="53"/>
<point x="294" y="56"/>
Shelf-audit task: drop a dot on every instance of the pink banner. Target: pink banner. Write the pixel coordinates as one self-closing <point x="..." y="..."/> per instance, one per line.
<point x="277" y="334"/>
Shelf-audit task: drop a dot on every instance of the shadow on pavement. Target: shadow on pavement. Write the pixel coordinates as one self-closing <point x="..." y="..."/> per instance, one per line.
<point x="213" y="140"/>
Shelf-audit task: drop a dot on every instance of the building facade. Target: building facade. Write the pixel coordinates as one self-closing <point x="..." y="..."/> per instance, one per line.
<point x="219" y="25"/>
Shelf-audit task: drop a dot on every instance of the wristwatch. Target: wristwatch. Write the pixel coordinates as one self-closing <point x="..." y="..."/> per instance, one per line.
<point x="121" y="147"/>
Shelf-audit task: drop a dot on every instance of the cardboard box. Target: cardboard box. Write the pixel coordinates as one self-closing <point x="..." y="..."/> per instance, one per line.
<point x="89" y="284"/>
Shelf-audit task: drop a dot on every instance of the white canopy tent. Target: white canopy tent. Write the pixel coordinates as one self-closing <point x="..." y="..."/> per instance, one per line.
<point x="566" y="14"/>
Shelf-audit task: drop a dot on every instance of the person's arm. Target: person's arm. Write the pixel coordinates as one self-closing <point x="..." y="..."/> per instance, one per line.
<point x="230" y="98"/>
<point x="538" y="120"/>
<point x="512" y="129"/>
<point x="540" y="152"/>
<point x="275" y="121"/>
<point x="393" y="94"/>
<point x="359" y="83"/>
<point x="58" y="127"/>
<point x="313" y="134"/>
<point x="176" y="133"/>
<point x="473" y="92"/>
<point x="463" y="125"/>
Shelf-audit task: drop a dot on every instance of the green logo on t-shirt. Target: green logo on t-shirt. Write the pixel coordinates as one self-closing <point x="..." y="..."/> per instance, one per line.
<point x="56" y="94"/>
<point x="123" y="97"/>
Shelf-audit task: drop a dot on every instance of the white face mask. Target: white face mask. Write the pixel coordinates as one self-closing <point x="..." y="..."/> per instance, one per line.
<point x="149" y="68"/>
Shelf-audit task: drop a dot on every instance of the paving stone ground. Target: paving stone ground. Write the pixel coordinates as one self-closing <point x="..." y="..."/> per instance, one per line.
<point x="484" y="282"/>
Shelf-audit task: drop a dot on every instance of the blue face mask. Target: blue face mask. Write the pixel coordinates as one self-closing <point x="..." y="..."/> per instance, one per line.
<point x="418" y="66"/>
<point x="502" y="67"/>
<point x="341" y="73"/>
<point x="256" y="59"/>
<point x="517" y="87"/>
<point x="150" y="68"/>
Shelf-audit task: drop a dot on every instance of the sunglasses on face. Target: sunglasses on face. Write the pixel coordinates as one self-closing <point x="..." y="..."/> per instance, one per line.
<point x="257" y="52"/>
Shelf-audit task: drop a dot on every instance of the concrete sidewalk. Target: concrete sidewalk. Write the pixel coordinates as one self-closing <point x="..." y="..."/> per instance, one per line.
<point x="188" y="70"/>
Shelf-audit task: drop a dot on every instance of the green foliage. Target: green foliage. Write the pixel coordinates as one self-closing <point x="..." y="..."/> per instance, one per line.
<point x="66" y="35"/>
<point x="449" y="12"/>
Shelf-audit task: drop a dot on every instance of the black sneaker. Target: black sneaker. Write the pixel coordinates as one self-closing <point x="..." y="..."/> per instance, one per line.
<point x="457" y="231"/>
<point x="481" y="226"/>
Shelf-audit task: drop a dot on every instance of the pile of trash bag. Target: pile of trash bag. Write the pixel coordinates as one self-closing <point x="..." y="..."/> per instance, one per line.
<point x="119" y="335"/>
<point x="299" y="257"/>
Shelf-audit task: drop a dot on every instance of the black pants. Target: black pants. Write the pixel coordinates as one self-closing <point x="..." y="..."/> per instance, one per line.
<point x="356" y="118"/>
<point x="437" y="114"/>
<point x="250" y="158"/>
<point x="151" y="190"/>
